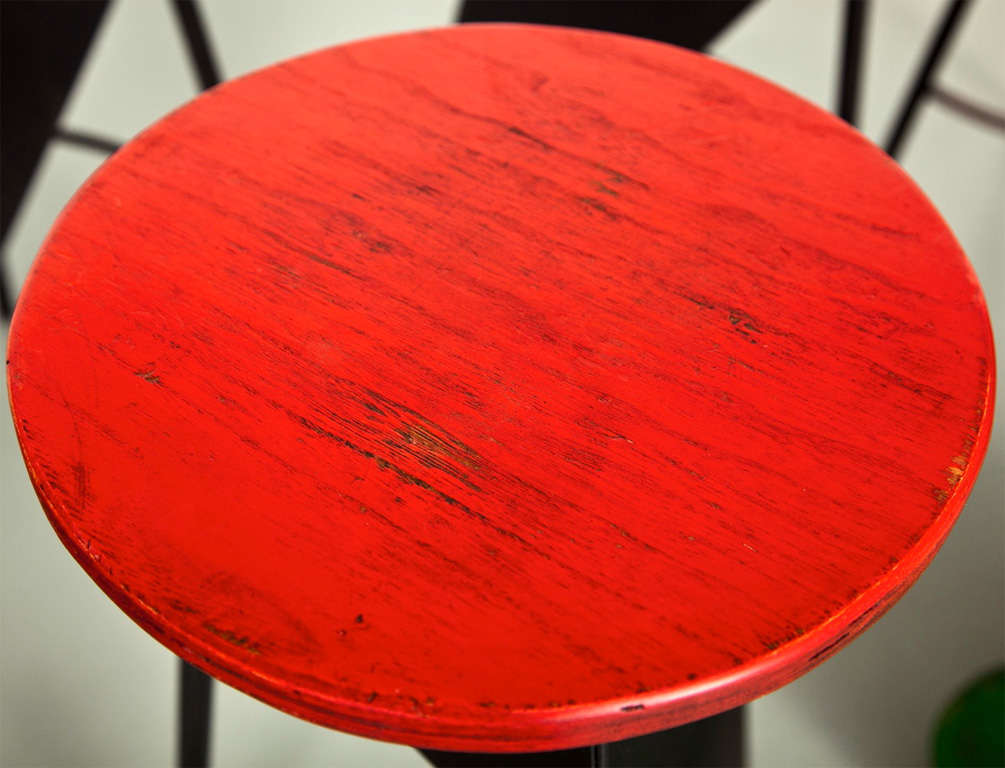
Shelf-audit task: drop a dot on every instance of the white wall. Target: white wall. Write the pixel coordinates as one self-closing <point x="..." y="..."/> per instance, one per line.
<point x="81" y="685"/>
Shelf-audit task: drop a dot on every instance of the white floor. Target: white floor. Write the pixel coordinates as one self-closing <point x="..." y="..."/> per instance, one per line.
<point x="80" y="685"/>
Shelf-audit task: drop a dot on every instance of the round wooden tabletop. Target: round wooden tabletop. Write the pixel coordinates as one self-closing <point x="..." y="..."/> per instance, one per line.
<point x="502" y="387"/>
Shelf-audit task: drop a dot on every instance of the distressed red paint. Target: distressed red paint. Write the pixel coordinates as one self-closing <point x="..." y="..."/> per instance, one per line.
<point x="502" y="388"/>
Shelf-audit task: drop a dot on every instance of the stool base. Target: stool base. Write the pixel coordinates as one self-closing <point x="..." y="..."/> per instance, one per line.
<point x="715" y="742"/>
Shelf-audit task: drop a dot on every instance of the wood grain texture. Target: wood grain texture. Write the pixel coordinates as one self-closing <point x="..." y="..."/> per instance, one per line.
<point x="500" y="387"/>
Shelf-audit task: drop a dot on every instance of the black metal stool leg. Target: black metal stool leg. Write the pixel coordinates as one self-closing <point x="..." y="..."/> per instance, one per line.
<point x="600" y="756"/>
<point x="923" y="81"/>
<point x="194" y="716"/>
<point x="584" y="757"/>
<point x="851" y="59"/>
<point x="715" y="742"/>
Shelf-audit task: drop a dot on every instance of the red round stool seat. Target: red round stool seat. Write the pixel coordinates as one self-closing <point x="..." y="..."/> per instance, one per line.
<point x="502" y="388"/>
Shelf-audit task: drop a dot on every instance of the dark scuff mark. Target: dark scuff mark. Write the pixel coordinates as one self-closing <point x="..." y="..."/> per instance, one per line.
<point x="743" y="323"/>
<point x="83" y="483"/>
<point x="433" y="451"/>
<point x="516" y="131"/>
<point x="147" y="374"/>
<point x="597" y="205"/>
<point x="406" y="477"/>
<point x="178" y="605"/>
<point x="933" y="395"/>
<point x="241" y="641"/>
<point x="699" y="300"/>
<point x="285" y="243"/>
<point x="419" y="436"/>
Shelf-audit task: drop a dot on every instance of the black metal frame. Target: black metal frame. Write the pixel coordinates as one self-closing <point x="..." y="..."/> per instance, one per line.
<point x="40" y="61"/>
<point x="923" y="80"/>
<point x="199" y="51"/>
<point x="855" y="12"/>
<point x="195" y="700"/>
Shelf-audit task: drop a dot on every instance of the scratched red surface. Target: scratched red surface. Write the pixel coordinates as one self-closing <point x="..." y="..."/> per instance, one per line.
<point x="502" y="388"/>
